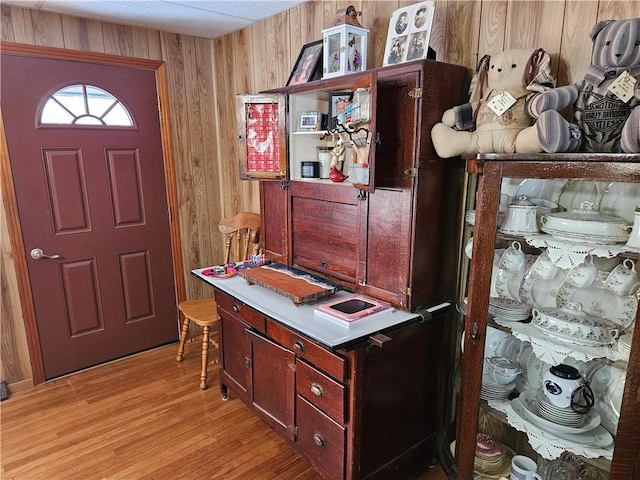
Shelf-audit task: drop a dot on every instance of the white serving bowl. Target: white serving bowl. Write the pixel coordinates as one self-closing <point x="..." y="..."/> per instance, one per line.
<point x="572" y="324"/>
<point x="586" y="224"/>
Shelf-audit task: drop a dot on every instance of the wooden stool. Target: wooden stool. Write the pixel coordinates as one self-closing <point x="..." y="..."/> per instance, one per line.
<point x="203" y="313"/>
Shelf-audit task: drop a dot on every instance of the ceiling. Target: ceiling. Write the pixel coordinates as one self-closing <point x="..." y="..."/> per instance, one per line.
<point x="201" y="18"/>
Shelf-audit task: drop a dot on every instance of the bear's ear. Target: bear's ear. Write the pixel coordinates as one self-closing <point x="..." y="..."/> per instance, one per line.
<point x="537" y="74"/>
<point x="597" y="28"/>
<point x="479" y="82"/>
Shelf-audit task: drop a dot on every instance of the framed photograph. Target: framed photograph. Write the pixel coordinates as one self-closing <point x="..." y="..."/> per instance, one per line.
<point x="309" y="121"/>
<point x="338" y="105"/>
<point x="409" y="33"/>
<point x="308" y="65"/>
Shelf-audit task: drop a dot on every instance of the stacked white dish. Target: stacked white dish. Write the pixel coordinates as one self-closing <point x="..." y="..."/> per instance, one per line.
<point x="490" y="390"/>
<point x="624" y="344"/>
<point x="470" y="217"/>
<point x="509" y="310"/>
<point x="558" y="415"/>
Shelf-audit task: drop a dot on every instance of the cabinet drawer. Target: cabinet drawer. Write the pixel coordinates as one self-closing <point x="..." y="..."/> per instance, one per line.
<point x="323" y="392"/>
<point x="247" y="314"/>
<point x="305" y="348"/>
<point x="320" y="439"/>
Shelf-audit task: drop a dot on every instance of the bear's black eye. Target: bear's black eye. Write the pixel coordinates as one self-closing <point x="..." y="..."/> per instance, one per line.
<point x="637" y="42"/>
<point x="607" y="43"/>
<point x="492" y="67"/>
<point x="513" y="65"/>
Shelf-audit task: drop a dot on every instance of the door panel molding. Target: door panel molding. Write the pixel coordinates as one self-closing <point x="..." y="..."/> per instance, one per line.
<point x="9" y="194"/>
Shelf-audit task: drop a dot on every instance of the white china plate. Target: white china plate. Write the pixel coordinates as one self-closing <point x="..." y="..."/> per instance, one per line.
<point x="598" y="437"/>
<point x="529" y="402"/>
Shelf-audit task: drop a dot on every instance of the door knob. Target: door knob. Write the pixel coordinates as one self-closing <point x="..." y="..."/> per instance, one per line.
<point x="37" y="254"/>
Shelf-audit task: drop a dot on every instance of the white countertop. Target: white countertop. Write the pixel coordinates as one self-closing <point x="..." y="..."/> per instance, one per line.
<point x="301" y="318"/>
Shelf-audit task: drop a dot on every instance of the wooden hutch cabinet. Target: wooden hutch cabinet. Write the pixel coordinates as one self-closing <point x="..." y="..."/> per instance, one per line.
<point x="491" y="169"/>
<point x="362" y="402"/>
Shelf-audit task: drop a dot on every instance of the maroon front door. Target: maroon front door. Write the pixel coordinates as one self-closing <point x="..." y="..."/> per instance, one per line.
<point x="91" y="193"/>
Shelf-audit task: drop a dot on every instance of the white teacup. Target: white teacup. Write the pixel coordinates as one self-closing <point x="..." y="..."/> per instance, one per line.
<point x="544" y="267"/>
<point x="583" y="274"/>
<point x="623" y="279"/>
<point x="513" y="258"/>
<point x="524" y="468"/>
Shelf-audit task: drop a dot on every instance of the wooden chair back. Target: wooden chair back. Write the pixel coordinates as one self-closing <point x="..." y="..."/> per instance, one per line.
<point x="244" y="228"/>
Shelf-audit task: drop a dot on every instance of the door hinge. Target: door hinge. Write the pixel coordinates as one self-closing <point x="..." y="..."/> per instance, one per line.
<point x="293" y="429"/>
<point x="416" y="93"/>
<point x="292" y="366"/>
<point x="411" y="172"/>
<point x="284" y="184"/>
<point x="406" y="291"/>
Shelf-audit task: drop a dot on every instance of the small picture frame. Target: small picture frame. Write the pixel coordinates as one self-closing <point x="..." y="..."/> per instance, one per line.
<point x="409" y="33"/>
<point x="338" y="102"/>
<point x="308" y="65"/>
<point x="309" y="121"/>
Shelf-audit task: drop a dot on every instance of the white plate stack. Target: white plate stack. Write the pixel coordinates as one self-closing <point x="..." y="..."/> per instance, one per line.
<point x="555" y="414"/>
<point x="509" y="310"/>
<point x="624" y="344"/>
<point x="489" y="390"/>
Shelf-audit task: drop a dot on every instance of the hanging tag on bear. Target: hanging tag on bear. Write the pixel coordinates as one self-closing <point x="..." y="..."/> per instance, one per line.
<point x="501" y="103"/>
<point x="623" y="86"/>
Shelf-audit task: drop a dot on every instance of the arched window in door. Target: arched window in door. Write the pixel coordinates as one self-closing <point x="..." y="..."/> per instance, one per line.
<point x="84" y="105"/>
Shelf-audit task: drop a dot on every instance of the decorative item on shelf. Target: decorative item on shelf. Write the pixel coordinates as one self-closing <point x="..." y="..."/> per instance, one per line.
<point x="338" y="104"/>
<point x="308" y="66"/>
<point x="324" y="157"/>
<point x="409" y="33"/>
<point x="360" y="107"/>
<point x="605" y="102"/>
<point x="586" y="224"/>
<point x="495" y="120"/>
<point x="344" y="51"/>
<point x="348" y="16"/>
<point x="309" y="121"/>
<point x="634" y="238"/>
<point x="521" y="217"/>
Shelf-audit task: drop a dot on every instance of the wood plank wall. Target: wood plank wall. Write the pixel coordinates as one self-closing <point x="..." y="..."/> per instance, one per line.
<point x="204" y="76"/>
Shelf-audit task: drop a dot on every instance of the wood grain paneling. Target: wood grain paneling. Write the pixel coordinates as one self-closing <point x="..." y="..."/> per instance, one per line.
<point x="204" y="76"/>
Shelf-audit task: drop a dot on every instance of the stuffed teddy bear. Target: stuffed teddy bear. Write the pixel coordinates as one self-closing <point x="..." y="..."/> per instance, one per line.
<point x="495" y="120"/>
<point x="606" y="102"/>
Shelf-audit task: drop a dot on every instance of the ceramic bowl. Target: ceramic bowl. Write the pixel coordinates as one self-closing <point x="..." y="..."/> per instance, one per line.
<point x="586" y="224"/>
<point x="571" y="323"/>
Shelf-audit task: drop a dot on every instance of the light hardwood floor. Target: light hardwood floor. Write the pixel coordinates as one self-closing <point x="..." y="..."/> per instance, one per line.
<point x="142" y="417"/>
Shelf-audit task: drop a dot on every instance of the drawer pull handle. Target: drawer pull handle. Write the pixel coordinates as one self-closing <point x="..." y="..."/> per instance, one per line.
<point x="235" y="308"/>
<point x="318" y="439"/>
<point x="298" y="345"/>
<point x="317" y="390"/>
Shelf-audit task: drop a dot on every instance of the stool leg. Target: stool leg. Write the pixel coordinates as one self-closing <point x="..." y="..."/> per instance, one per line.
<point x="183" y="338"/>
<point x="205" y="357"/>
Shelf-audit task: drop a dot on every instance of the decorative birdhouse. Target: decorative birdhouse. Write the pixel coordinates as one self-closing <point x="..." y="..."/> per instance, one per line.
<point x="344" y="50"/>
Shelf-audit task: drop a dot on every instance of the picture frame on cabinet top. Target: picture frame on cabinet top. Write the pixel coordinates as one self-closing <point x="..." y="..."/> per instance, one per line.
<point x="308" y="66"/>
<point x="409" y="33"/>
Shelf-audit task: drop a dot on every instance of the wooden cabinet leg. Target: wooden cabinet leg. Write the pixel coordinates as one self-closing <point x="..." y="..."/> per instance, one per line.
<point x="205" y="357"/>
<point x="183" y="338"/>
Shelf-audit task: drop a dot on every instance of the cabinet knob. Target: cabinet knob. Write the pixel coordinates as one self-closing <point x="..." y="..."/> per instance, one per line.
<point x="318" y="439"/>
<point x="235" y="308"/>
<point x="317" y="389"/>
<point x="247" y="363"/>
<point x="298" y="345"/>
